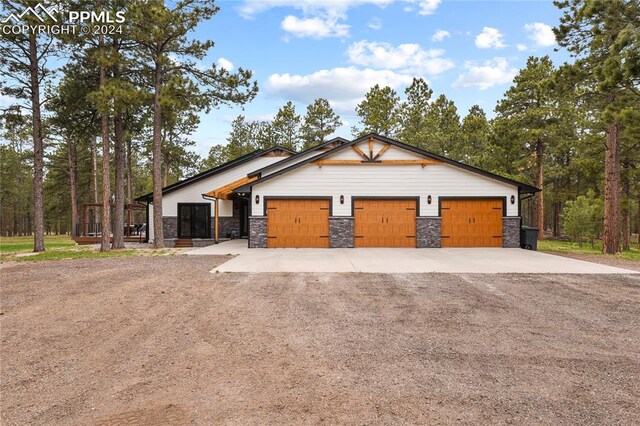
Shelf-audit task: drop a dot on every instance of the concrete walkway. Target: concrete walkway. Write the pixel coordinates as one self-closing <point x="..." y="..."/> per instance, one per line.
<point x="222" y="249"/>
<point x="399" y="260"/>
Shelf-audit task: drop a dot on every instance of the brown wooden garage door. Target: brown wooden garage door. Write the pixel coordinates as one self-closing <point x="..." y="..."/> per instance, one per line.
<point x="471" y="223"/>
<point x="297" y="223"/>
<point x="385" y="223"/>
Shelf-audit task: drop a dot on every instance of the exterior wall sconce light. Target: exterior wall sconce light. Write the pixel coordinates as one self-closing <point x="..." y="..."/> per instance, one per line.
<point x="429" y="199"/>
<point x="513" y="199"/>
<point x="342" y="199"/>
<point x="257" y="199"/>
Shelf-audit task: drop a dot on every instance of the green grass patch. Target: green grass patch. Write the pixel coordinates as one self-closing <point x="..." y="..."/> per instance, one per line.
<point x="25" y="244"/>
<point x="59" y="247"/>
<point x="587" y="248"/>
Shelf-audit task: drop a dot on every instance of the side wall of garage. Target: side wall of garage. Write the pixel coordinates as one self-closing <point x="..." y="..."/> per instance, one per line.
<point x="345" y="183"/>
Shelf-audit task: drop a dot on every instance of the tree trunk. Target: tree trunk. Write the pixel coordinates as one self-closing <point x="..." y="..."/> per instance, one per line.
<point x="611" y="233"/>
<point x="73" y="169"/>
<point x="106" y="184"/>
<point x="158" y="234"/>
<point x="540" y="182"/>
<point x="118" y="220"/>
<point x="94" y="158"/>
<point x="626" y="209"/>
<point x="129" y="172"/>
<point x="638" y="225"/>
<point x="38" y="148"/>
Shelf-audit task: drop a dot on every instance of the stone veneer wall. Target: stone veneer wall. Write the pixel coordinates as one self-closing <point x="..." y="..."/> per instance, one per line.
<point x="169" y="226"/>
<point x="257" y="231"/>
<point x="511" y="232"/>
<point x="226" y="225"/>
<point x="428" y="232"/>
<point x="341" y="232"/>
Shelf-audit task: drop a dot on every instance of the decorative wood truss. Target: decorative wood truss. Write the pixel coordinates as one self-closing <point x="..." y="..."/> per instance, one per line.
<point x="225" y="192"/>
<point x="374" y="159"/>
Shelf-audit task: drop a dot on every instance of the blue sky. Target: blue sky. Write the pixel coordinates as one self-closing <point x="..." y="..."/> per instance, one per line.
<point x="301" y="49"/>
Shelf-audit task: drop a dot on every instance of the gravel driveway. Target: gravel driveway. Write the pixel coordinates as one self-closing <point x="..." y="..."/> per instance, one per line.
<point x="161" y="340"/>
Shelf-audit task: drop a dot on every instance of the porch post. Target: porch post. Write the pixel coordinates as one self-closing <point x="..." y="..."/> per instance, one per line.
<point x="215" y="221"/>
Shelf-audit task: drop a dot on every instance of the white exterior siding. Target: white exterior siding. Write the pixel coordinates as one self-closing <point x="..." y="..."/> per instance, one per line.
<point x="290" y="163"/>
<point x="192" y="193"/>
<point x="378" y="180"/>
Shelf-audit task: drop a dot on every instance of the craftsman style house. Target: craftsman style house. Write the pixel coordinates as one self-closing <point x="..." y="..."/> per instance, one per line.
<point x="369" y="192"/>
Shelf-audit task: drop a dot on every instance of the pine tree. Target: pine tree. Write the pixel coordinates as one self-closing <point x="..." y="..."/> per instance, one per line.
<point x="475" y="136"/>
<point x="529" y="110"/>
<point x="414" y="114"/>
<point x="379" y="112"/>
<point x="23" y="65"/>
<point x="603" y="37"/>
<point x="286" y="126"/>
<point x="443" y="133"/>
<point x="319" y="122"/>
<point x="242" y="138"/>
<point x="164" y="36"/>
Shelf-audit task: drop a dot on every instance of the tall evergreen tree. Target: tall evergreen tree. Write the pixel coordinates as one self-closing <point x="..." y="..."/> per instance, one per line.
<point x="23" y="65"/>
<point x="603" y="37"/>
<point x="475" y="136"/>
<point x="164" y="35"/>
<point x="443" y="132"/>
<point x="266" y="135"/>
<point x="529" y="111"/>
<point x="286" y="125"/>
<point x="379" y="112"/>
<point x="241" y="139"/>
<point x="319" y="122"/>
<point x="414" y="114"/>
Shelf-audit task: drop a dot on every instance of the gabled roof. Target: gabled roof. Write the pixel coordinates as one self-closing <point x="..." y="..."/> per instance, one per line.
<point x="298" y="155"/>
<point x="219" y="169"/>
<point x="522" y="187"/>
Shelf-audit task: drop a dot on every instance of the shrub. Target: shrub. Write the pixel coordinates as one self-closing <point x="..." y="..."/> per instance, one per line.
<point x="583" y="218"/>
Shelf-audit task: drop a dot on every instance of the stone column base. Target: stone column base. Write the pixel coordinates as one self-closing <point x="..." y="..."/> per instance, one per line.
<point x="511" y="232"/>
<point x="428" y="232"/>
<point x="257" y="232"/>
<point x="341" y="232"/>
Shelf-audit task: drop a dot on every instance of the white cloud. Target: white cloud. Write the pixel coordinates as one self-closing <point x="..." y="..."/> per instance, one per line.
<point x="410" y="57"/>
<point x="541" y="34"/>
<point x="343" y="87"/>
<point x="490" y="73"/>
<point x="521" y="47"/>
<point x="490" y="38"/>
<point x="428" y="7"/>
<point x="440" y="35"/>
<point x="313" y="8"/>
<point x="226" y="64"/>
<point x="250" y="8"/>
<point x="315" y="27"/>
<point x="375" y="23"/>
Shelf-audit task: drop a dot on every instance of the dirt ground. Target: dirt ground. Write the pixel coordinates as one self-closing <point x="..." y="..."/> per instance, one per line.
<point x="160" y="340"/>
<point x="609" y="260"/>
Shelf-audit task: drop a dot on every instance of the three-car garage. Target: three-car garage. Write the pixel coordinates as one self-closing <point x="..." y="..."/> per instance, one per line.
<point x="384" y="222"/>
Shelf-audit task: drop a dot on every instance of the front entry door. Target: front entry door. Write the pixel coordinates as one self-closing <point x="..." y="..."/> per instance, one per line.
<point x="194" y="220"/>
